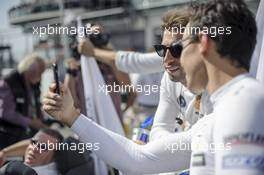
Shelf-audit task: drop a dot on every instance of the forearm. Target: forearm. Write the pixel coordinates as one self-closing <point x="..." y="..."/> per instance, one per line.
<point x="105" y="56"/>
<point x="135" y="62"/>
<point x="150" y="158"/>
<point x="117" y="150"/>
<point x="158" y="132"/>
<point x="16" y="150"/>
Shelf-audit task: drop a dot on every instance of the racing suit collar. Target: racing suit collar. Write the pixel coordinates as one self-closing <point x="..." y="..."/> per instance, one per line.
<point x="220" y="92"/>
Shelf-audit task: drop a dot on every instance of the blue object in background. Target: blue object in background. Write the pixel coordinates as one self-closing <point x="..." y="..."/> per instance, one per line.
<point x="147" y="122"/>
<point x="186" y="172"/>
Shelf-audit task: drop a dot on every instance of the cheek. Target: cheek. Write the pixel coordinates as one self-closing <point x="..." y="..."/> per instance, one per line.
<point x="47" y="156"/>
<point x="200" y="79"/>
<point x="184" y="62"/>
<point x="40" y="157"/>
<point x="26" y="152"/>
<point x="190" y="60"/>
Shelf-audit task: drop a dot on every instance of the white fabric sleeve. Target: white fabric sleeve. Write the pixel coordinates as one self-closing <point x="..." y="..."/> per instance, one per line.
<point x="131" y="158"/>
<point x="257" y="63"/>
<point x="167" y="111"/>
<point x="244" y="152"/>
<point x="135" y="62"/>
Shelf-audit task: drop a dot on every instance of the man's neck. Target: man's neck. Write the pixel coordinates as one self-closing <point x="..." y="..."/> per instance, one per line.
<point x="217" y="77"/>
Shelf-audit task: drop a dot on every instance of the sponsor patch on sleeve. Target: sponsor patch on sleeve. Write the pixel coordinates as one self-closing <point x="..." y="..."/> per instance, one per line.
<point x="198" y="160"/>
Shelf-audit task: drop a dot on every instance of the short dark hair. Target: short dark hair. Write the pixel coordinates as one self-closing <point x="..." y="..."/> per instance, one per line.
<point x="239" y="45"/>
<point x="53" y="133"/>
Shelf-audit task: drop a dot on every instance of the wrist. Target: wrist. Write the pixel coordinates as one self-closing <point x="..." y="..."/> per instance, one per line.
<point x="89" y="52"/>
<point x="73" y="116"/>
<point x="97" y="52"/>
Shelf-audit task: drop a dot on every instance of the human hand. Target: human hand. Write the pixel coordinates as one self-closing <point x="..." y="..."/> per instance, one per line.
<point x="61" y="107"/>
<point x="85" y="47"/>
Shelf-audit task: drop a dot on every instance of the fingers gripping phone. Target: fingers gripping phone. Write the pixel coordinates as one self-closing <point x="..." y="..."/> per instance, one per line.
<point x="56" y="77"/>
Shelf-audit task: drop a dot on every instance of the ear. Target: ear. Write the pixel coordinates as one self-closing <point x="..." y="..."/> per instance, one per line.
<point x="204" y="44"/>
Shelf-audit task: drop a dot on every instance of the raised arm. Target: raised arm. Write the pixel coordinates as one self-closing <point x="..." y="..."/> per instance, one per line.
<point x="106" y="56"/>
<point x="126" y="61"/>
<point x="16" y="150"/>
<point x="154" y="157"/>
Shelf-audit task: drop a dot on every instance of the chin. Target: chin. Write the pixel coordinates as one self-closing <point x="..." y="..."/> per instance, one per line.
<point x="179" y="79"/>
<point x="175" y="78"/>
<point x="196" y="91"/>
<point x="194" y="88"/>
<point x="172" y="78"/>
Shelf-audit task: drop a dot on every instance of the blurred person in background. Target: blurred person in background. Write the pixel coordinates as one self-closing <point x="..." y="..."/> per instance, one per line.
<point x="20" y="107"/>
<point x="36" y="152"/>
<point x="73" y="80"/>
<point x="111" y="74"/>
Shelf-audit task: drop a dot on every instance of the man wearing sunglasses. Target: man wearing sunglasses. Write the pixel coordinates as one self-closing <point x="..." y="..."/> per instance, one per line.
<point x="37" y="152"/>
<point x="234" y="129"/>
<point x="176" y="101"/>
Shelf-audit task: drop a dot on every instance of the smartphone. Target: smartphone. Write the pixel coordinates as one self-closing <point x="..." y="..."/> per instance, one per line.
<point x="56" y="77"/>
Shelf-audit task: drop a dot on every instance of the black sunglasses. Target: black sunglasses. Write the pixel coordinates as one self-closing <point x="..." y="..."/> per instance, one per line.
<point x="40" y="146"/>
<point x="175" y="49"/>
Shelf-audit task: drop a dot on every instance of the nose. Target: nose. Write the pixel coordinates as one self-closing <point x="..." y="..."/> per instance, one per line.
<point x="168" y="59"/>
<point x="35" y="151"/>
